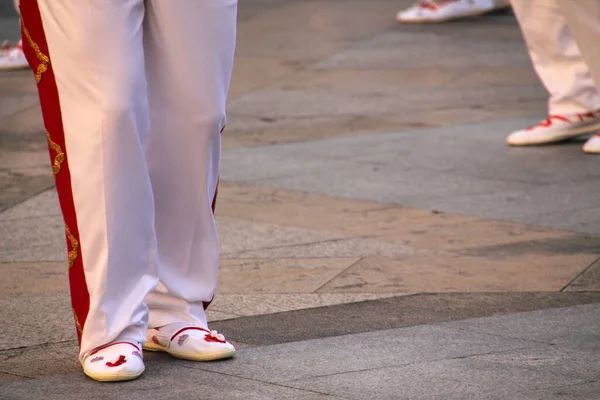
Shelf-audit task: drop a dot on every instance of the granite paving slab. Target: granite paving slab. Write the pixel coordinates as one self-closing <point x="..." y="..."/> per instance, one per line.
<point x="588" y="280"/>
<point x="33" y="240"/>
<point x="256" y="130"/>
<point x="33" y="279"/>
<point x="396" y="312"/>
<point x="468" y="171"/>
<point x="588" y="390"/>
<point x="572" y="326"/>
<point x="476" y="377"/>
<point x="268" y="303"/>
<point x="165" y="378"/>
<point x="403" y="226"/>
<point x="35" y="320"/>
<point x="282" y="275"/>
<point x="290" y="362"/>
<point x="460" y="274"/>
<point x="45" y="204"/>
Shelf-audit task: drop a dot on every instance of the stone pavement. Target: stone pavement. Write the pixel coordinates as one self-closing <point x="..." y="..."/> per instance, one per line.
<point x="378" y="237"/>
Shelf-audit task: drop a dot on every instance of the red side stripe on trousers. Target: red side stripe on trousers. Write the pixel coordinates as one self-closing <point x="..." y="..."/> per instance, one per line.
<point x="213" y="206"/>
<point x="38" y="56"/>
<point x="205" y="304"/>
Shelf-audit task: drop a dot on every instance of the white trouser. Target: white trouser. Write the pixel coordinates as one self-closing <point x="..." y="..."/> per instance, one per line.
<point x="556" y="57"/>
<point x="583" y="18"/>
<point x="142" y="87"/>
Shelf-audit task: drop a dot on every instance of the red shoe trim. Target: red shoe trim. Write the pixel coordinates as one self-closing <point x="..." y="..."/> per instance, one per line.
<point x="589" y="114"/>
<point x="37" y="54"/>
<point x="214" y="201"/>
<point x="192" y="328"/>
<point x="548" y="121"/>
<point x="210" y="338"/>
<point x="435" y="5"/>
<point x="112" y="344"/>
<point x="213" y="206"/>
<point x="205" y="304"/>
<point x="122" y="360"/>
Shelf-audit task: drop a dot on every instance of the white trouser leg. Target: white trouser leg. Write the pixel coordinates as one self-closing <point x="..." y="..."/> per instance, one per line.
<point x="556" y="57"/>
<point x="189" y="58"/>
<point x="583" y="18"/>
<point x="96" y="51"/>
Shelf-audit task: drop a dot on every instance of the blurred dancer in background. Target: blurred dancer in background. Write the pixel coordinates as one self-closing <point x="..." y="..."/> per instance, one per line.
<point x="12" y="57"/>
<point x="574" y="102"/>
<point x="583" y="20"/>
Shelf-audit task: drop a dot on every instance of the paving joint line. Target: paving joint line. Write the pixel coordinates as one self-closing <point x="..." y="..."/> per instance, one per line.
<point x="496" y="335"/>
<point x="3" y="210"/>
<point x="580" y="274"/>
<point x="31" y="262"/>
<point x="304" y="244"/>
<point x="261" y="381"/>
<point x="18" y="375"/>
<point x="71" y="341"/>
<point x="585" y="382"/>
<point x="360" y="259"/>
<point x="28" y="218"/>
<point x="296" y="69"/>
<point x="409" y="364"/>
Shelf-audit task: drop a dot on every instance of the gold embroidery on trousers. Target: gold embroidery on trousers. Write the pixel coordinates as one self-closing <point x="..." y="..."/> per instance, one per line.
<point x="74" y="246"/>
<point x="60" y="155"/>
<point x="44" y="59"/>
<point x="77" y="323"/>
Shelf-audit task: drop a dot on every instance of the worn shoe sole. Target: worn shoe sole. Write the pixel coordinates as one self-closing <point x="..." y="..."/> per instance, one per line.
<point x="592" y="146"/>
<point x="210" y="355"/>
<point x="115" y="377"/>
<point x="449" y="18"/>
<point x="570" y="134"/>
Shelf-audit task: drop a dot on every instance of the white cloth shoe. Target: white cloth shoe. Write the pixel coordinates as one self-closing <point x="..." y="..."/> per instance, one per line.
<point x="556" y="128"/>
<point x="592" y="146"/>
<point x="12" y="58"/>
<point x="424" y="11"/>
<point x="189" y="342"/>
<point x="117" y="361"/>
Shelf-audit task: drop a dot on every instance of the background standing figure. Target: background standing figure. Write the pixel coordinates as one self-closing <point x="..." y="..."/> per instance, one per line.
<point x="574" y="102"/>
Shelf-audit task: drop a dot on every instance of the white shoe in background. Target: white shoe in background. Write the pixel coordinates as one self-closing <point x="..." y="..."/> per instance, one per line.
<point x="424" y="11"/>
<point x="556" y="128"/>
<point x="592" y="146"/>
<point x="12" y="58"/>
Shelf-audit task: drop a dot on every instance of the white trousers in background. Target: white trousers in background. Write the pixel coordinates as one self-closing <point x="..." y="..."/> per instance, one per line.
<point x="556" y="56"/>
<point x="583" y="18"/>
<point x="142" y="86"/>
